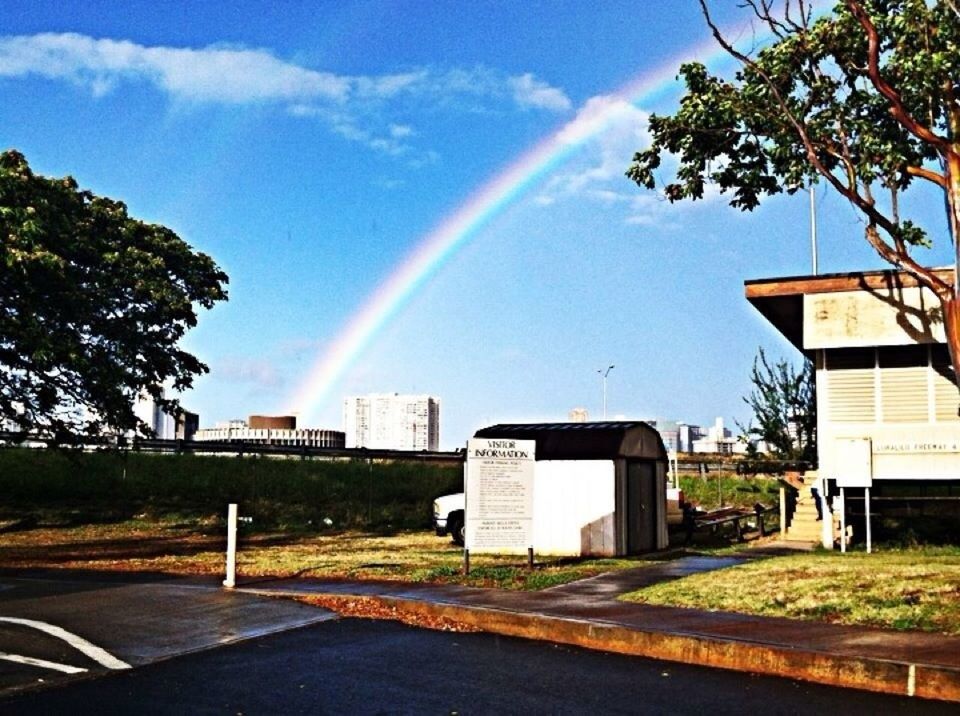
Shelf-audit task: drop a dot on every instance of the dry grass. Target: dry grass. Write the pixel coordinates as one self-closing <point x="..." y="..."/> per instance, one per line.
<point x="187" y="549"/>
<point x="913" y="589"/>
<point x="372" y="608"/>
<point x="902" y="589"/>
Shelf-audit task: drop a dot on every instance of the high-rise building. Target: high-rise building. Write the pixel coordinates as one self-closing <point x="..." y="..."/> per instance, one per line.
<point x="677" y="436"/>
<point x="162" y="424"/>
<point x="159" y="422"/>
<point x="390" y="421"/>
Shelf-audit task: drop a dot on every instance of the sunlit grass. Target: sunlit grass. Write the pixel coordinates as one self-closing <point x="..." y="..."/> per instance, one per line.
<point x="915" y="589"/>
<point x="412" y="556"/>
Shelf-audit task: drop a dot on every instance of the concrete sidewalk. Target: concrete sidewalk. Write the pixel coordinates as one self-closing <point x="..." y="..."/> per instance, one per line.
<point x="586" y="613"/>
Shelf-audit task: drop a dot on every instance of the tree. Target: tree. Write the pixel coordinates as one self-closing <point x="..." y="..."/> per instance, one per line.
<point x="93" y="304"/>
<point x="865" y="98"/>
<point x="784" y="404"/>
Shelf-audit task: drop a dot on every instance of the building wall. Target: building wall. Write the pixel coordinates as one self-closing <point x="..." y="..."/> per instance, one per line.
<point x="718" y="440"/>
<point x="356" y="420"/>
<point x="273" y="422"/>
<point x="302" y="437"/>
<point x="677" y="436"/>
<point x="903" y="399"/>
<point x="162" y="425"/>
<point x="390" y="421"/>
<point x="574" y="502"/>
<point x="575" y="508"/>
<point x="187" y="425"/>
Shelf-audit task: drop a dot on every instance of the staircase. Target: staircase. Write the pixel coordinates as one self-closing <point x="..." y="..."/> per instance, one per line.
<point x="803" y="525"/>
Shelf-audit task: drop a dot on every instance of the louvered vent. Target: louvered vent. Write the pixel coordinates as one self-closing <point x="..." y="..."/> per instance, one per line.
<point x="851" y="396"/>
<point x="851" y="392"/>
<point x="946" y="398"/>
<point x="903" y="384"/>
<point x="903" y="395"/>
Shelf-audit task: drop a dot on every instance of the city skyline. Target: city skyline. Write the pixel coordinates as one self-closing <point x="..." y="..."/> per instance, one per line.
<point x="421" y="199"/>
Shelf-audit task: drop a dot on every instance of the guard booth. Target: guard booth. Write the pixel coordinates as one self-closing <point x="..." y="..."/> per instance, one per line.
<point x="888" y="432"/>
<point x="599" y="488"/>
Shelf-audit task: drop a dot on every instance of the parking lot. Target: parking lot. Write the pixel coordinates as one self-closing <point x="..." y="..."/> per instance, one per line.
<point x="58" y="625"/>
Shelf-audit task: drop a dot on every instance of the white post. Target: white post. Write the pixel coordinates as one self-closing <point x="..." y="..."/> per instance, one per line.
<point x="231" y="581"/>
<point x="866" y="503"/>
<point x="783" y="512"/>
<point x="826" y="517"/>
<point x="843" y="519"/>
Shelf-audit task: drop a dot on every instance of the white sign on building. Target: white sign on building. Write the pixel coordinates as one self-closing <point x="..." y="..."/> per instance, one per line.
<point x="499" y="490"/>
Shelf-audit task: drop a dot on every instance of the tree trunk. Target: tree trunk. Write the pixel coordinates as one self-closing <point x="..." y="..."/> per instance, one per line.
<point x="951" y="322"/>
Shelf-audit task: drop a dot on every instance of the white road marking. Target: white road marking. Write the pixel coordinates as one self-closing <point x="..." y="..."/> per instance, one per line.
<point x="43" y="664"/>
<point x="101" y="656"/>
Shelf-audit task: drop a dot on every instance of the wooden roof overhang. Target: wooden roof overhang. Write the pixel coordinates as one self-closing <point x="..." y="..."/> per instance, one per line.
<point x="780" y="300"/>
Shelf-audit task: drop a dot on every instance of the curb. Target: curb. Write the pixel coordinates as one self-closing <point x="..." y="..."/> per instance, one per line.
<point x="927" y="681"/>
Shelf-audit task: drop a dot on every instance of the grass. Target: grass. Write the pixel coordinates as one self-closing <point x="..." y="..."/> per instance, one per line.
<point x="164" y="514"/>
<point x="728" y="490"/>
<point x="181" y="548"/>
<point x="282" y="494"/>
<point x="908" y="589"/>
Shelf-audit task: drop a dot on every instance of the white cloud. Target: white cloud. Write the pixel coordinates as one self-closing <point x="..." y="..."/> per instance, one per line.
<point x="401" y="130"/>
<point x="608" y="196"/>
<point x="386" y="144"/>
<point x="530" y="92"/>
<point x="649" y="209"/>
<point x="610" y="129"/>
<point x="389" y="85"/>
<point x="357" y="108"/>
<point x="210" y="74"/>
<point x="604" y="115"/>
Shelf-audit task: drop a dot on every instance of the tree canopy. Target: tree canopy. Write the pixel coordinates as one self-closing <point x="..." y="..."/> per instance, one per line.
<point x="865" y="98"/>
<point x="93" y="304"/>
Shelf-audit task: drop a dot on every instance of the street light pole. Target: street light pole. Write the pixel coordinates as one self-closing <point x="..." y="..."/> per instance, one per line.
<point x="604" y="373"/>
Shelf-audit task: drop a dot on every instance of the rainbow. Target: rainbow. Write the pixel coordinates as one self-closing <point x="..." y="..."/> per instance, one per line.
<point x="456" y="229"/>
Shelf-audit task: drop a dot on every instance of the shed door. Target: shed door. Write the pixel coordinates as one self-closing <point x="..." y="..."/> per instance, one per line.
<point x="641" y="507"/>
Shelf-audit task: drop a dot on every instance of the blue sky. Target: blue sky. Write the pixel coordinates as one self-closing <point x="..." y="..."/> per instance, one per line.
<point x="309" y="148"/>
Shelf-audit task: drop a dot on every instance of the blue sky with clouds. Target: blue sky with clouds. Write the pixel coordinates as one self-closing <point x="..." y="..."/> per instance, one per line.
<point x="309" y="147"/>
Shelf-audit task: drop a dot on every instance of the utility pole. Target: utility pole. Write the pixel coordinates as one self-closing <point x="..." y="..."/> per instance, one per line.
<point x="813" y="226"/>
<point x="603" y="376"/>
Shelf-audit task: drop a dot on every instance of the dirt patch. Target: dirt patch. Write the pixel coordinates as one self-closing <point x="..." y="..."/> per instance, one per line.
<point x="371" y="608"/>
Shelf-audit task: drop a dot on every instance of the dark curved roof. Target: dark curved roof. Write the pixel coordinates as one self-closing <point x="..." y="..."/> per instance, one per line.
<point x="585" y="441"/>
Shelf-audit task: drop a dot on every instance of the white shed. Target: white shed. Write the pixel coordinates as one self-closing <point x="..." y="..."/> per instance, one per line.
<point x="599" y="488"/>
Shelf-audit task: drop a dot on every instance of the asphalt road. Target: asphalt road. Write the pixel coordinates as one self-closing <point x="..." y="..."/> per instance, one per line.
<point x="364" y="667"/>
<point x="54" y="626"/>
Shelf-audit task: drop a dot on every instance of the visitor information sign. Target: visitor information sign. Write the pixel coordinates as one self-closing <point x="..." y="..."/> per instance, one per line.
<point x="499" y="490"/>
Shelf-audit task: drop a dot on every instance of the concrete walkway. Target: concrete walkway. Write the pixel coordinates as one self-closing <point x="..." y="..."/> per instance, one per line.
<point x="586" y="613"/>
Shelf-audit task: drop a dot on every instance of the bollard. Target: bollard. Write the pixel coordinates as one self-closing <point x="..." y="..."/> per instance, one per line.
<point x="231" y="581"/>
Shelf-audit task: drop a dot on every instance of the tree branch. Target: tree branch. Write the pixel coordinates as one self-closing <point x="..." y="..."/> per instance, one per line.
<point x="897" y="109"/>
<point x="923" y="173"/>
<point x="865" y="204"/>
